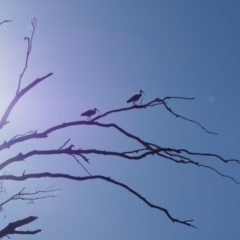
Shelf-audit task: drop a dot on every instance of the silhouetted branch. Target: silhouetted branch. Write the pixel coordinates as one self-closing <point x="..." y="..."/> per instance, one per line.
<point x="151" y="149"/>
<point x="22" y="157"/>
<point x="223" y="175"/>
<point x="167" y="153"/>
<point x="187" y="119"/>
<point x="149" y="104"/>
<point x="108" y="179"/>
<point x="186" y="160"/>
<point x="19" y="93"/>
<point x="64" y="144"/>
<point x="83" y="157"/>
<point x="21" y="135"/>
<point x="155" y="102"/>
<point x="5" y="21"/>
<point x="4" y="121"/>
<point x="206" y="155"/>
<point x="81" y="164"/>
<point x="10" y="228"/>
<point x="29" y="48"/>
<point x="44" y="134"/>
<point x="29" y="196"/>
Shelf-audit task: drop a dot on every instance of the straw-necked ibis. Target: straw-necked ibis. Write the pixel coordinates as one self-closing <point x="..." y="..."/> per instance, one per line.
<point x="135" y="97"/>
<point x="89" y="113"/>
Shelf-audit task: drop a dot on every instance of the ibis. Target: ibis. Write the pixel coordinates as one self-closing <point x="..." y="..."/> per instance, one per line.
<point x="135" y="97"/>
<point x="89" y="113"/>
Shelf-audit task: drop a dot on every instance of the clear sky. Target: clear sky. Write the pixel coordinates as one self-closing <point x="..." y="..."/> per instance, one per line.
<point x="101" y="53"/>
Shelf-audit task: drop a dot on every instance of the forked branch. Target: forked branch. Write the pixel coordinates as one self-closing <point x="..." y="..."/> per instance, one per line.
<point x="184" y="118"/>
<point x="11" y="227"/>
<point x="176" y="155"/>
<point x="4" y="121"/>
<point x="153" y="103"/>
<point x="21" y="138"/>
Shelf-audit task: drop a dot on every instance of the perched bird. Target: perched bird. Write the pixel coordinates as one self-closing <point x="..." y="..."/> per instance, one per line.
<point x="89" y="113"/>
<point x="135" y="97"/>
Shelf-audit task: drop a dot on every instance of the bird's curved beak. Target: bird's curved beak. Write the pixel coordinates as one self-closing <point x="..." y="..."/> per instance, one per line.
<point x="143" y="92"/>
<point x="97" y="110"/>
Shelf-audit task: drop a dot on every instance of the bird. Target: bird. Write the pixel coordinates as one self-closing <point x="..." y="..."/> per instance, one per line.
<point x="135" y="97"/>
<point x="89" y="113"/>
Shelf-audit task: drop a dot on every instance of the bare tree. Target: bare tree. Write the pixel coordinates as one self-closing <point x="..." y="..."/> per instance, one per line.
<point x="181" y="156"/>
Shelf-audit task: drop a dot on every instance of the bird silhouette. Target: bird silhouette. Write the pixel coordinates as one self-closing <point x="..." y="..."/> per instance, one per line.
<point x="135" y="97"/>
<point x="89" y="113"/>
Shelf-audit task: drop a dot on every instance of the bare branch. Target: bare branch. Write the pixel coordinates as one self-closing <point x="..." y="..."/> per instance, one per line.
<point x="223" y="175"/>
<point x="205" y="154"/>
<point x="29" y="48"/>
<point x="108" y="179"/>
<point x="187" y="119"/>
<point x="4" y="121"/>
<point x="27" y="196"/>
<point x="151" y="149"/>
<point x="167" y="153"/>
<point x="83" y="157"/>
<point x="155" y="102"/>
<point x="10" y="228"/>
<point x="149" y="104"/>
<point x="44" y="134"/>
<point x="5" y="21"/>
<point x="81" y="165"/>
<point x="68" y="151"/>
<point x="64" y="144"/>
<point x="19" y="93"/>
<point x="21" y="135"/>
<point x="186" y="160"/>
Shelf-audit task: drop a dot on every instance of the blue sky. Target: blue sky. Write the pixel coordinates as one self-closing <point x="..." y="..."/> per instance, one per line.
<point x="101" y="53"/>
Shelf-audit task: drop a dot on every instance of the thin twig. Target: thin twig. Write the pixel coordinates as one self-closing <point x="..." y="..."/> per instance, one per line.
<point x="5" y="21"/>
<point x="64" y="144"/>
<point x="21" y="135"/>
<point x="21" y="195"/>
<point x="29" y="48"/>
<point x="187" y="119"/>
<point x="81" y="165"/>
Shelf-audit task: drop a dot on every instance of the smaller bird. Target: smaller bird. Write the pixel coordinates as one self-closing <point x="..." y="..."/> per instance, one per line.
<point x="89" y="113"/>
<point x="135" y="97"/>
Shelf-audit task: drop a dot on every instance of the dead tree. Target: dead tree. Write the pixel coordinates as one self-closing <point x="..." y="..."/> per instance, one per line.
<point x="181" y="156"/>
